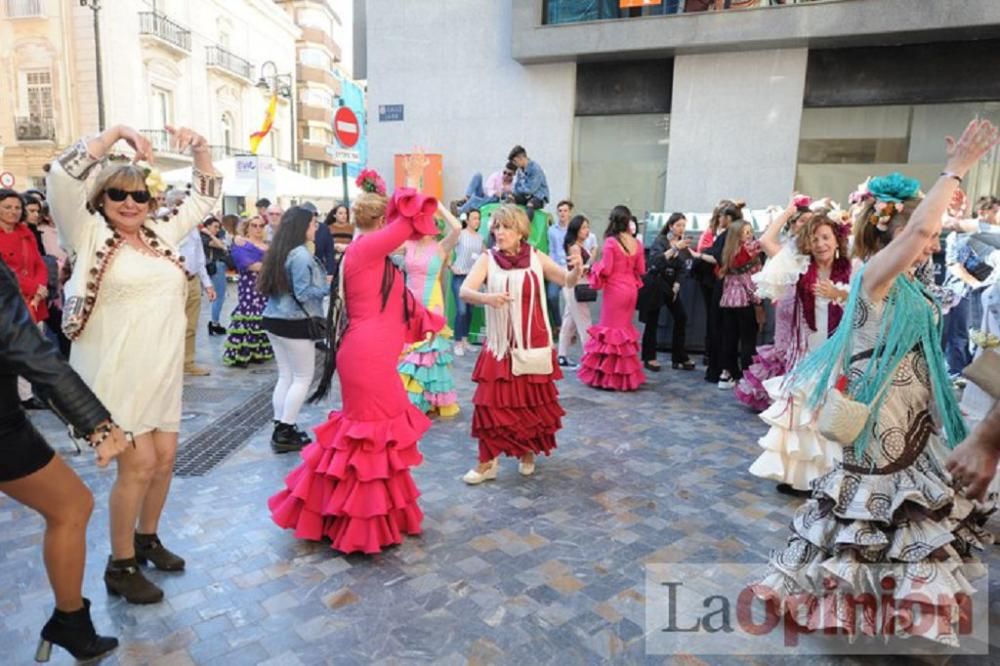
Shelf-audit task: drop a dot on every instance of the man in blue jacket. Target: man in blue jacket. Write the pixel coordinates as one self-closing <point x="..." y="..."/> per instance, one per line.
<point x="531" y="190"/>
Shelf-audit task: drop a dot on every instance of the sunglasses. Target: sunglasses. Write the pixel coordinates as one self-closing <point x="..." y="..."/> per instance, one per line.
<point x="508" y="173"/>
<point x="256" y="226"/>
<point x="138" y="196"/>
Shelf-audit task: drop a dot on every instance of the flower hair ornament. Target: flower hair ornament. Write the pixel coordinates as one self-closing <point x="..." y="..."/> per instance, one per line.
<point x="369" y="181"/>
<point x="890" y="194"/>
<point x="841" y="221"/>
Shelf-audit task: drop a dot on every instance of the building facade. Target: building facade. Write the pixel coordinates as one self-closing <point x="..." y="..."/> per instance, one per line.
<point x="318" y="58"/>
<point x="163" y="62"/>
<point x="665" y="109"/>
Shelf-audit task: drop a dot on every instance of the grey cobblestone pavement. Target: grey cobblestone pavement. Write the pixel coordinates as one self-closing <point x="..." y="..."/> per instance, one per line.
<point x="548" y="569"/>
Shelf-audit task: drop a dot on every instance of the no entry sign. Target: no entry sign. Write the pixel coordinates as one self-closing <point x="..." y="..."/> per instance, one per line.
<point x="345" y="127"/>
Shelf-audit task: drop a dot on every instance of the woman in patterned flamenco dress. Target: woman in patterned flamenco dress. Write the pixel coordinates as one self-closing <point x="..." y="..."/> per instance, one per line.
<point x="247" y="342"/>
<point x="776" y="282"/>
<point x="354" y="485"/>
<point x="426" y="365"/>
<point x="611" y="356"/>
<point x="795" y="452"/>
<point x="892" y="501"/>
<point x="517" y="410"/>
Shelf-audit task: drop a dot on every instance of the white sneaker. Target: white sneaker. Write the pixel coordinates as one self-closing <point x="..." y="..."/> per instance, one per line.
<point x="459" y="349"/>
<point x="726" y="384"/>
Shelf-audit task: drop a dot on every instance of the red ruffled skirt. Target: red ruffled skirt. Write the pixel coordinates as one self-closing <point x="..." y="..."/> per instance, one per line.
<point x="514" y="415"/>
<point x="354" y="485"/>
<point x="611" y="359"/>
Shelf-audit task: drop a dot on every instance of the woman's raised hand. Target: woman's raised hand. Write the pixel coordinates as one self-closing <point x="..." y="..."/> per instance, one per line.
<point x="182" y="138"/>
<point x="414" y="165"/>
<point x="979" y="137"/>
<point x="139" y="143"/>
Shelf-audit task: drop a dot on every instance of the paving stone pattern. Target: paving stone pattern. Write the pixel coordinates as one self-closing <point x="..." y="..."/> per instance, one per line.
<point x="541" y="570"/>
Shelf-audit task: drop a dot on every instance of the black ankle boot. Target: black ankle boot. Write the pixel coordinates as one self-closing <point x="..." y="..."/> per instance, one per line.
<point x="124" y="578"/>
<point x="73" y="632"/>
<point x="148" y="548"/>
<point x="303" y="436"/>
<point x="285" y="439"/>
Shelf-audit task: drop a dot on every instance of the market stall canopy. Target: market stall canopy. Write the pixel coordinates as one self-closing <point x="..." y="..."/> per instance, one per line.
<point x="286" y="183"/>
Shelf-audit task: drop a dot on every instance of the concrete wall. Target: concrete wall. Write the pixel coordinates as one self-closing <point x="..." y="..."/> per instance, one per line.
<point x="449" y="63"/>
<point x="816" y="25"/>
<point x="734" y="128"/>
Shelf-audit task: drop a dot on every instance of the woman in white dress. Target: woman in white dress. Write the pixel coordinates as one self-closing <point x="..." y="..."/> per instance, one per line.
<point x="124" y="313"/>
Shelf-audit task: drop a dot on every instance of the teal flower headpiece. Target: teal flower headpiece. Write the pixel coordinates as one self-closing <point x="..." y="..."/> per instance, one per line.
<point x="890" y="193"/>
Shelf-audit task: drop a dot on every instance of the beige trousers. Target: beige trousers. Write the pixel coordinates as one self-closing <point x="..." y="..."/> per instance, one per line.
<point x="192" y="308"/>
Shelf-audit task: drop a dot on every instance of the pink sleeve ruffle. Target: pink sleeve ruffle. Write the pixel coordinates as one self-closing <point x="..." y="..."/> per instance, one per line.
<point x="422" y="322"/>
<point x="415" y="209"/>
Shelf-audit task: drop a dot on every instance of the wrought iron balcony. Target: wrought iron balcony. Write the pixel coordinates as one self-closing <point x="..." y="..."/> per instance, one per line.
<point x="34" y="129"/>
<point x="159" y="139"/>
<point x="24" y="8"/>
<point x="230" y="63"/>
<point x="157" y="25"/>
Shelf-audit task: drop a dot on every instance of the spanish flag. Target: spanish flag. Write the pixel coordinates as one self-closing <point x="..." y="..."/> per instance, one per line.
<point x="257" y="137"/>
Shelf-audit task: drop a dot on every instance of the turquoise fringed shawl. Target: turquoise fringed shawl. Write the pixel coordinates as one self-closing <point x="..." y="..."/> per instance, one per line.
<point x="911" y="319"/>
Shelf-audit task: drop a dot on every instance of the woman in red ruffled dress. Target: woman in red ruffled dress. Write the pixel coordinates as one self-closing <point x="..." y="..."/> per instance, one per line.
<point x="354" y="485"/>
<point x="611" y="355"/>
<point x="517" y="410"/>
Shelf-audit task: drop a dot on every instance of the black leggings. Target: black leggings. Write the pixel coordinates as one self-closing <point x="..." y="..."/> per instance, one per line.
<point x="739" y="339"/>
<point x="532" y="204"/>
<point x="678" y="343"/>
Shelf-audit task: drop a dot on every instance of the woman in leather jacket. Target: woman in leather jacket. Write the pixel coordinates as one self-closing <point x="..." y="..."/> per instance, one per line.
<point x="33" y="475"/>
<point x="669" y="258"/>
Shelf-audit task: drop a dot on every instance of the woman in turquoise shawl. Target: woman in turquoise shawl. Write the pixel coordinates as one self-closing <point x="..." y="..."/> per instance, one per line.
<point x="891" y="502"/>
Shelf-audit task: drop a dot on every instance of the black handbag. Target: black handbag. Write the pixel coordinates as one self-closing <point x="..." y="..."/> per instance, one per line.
<point x="584" y="293"/>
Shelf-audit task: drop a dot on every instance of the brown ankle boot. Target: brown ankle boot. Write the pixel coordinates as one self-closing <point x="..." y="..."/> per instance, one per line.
<point x="148" y="548"/>
<point x="124" y="578"/>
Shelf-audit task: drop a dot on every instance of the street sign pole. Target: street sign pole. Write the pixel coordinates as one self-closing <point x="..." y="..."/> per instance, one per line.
<point x="347" y="129"/>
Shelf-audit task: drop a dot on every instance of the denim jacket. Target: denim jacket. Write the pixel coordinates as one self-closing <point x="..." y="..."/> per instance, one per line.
<point x="531" y="181"/>
<point x="308" y="281"/>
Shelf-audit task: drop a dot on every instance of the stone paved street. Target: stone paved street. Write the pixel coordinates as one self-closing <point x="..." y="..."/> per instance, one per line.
<point x="540" y="570"/>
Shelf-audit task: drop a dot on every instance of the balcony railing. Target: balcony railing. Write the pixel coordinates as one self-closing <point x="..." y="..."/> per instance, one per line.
<point x="34" y="129"/>
<point x="220" y="152"/>
<point x="24" y="8"/>
<point x="159" y="26"/>
<point x="220" y="58"/>
<point x="159" y="139"/>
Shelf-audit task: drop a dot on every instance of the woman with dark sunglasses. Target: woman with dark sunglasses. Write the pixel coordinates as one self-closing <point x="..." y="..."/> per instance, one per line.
<point x="124" y="313"/>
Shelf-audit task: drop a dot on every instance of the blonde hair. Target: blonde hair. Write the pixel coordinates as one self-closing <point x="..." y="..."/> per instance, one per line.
<point x="868" y="239"/>
<point x="368" y="208"/>
<point x="510" y="216"/>
<point x="244" y="226"/>
<point x="120" y="176"/>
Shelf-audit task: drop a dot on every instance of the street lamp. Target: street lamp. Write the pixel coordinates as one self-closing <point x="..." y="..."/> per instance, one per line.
<point x="281" y="85"/>
<point x="95" y="6"/>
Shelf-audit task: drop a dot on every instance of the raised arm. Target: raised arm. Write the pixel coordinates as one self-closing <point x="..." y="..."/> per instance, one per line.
<point x="553" y="272"/>
<point x="206" y="185"/>
<point x="978" y="138"/>
<point x="450" y="240"/>
<point x="770" y="240"/>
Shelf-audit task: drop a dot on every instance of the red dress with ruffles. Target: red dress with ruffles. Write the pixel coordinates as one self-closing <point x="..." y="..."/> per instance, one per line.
<point x="517" y="414"/>
<point x="354" y="485"/>
<point x="611" y="356"/>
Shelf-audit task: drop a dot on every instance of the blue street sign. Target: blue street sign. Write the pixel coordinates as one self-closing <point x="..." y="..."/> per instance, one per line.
<point x="390" y="112"/>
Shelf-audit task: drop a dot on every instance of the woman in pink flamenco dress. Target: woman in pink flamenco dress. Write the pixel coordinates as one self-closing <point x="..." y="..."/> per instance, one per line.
<point x="611" y="356"/>
<point x="354" y="485"/>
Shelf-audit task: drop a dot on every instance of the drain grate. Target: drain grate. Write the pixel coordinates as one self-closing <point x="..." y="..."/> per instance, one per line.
<point x="203" y="395"/>
<point x="208" y="448"/>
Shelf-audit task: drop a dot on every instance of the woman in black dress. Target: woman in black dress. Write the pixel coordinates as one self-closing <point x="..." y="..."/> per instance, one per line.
<point x="32" y="474"/>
